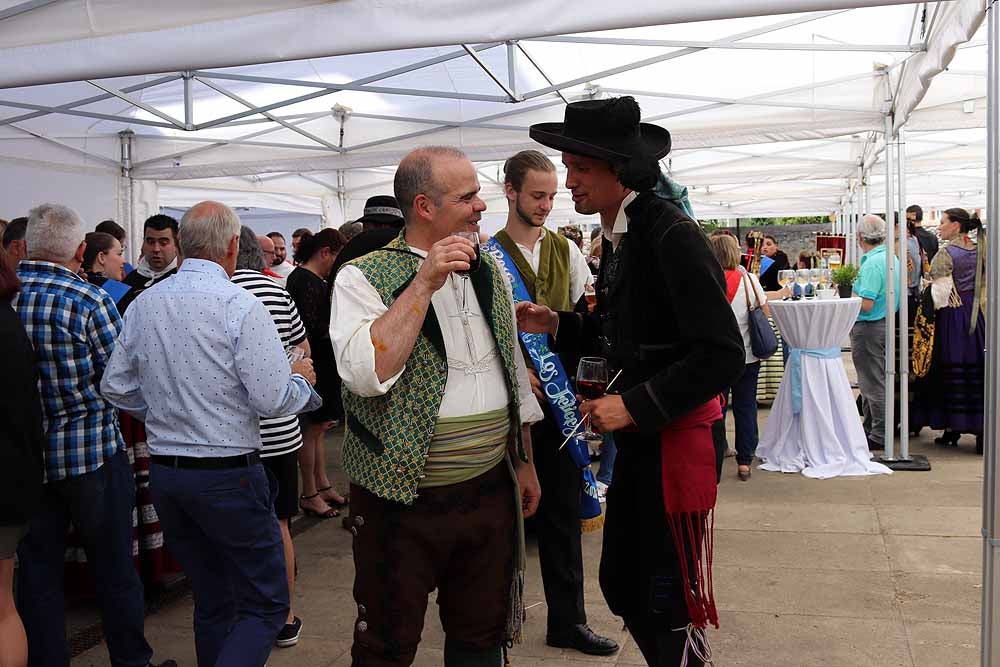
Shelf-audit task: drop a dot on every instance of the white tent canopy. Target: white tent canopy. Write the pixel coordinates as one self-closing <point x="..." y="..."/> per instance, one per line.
<point x="770" y="115"/>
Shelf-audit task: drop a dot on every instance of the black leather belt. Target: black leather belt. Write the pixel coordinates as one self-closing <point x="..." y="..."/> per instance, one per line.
<point x="210" y="462"/>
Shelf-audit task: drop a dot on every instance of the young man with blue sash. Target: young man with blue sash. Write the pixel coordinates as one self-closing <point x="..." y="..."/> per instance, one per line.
<point x="662" y="319"/>
<point x="437" y="406"/>
<point x="547" y="269"/>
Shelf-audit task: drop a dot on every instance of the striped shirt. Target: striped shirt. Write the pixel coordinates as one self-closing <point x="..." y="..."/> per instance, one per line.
<point x="280" y="435"/>
<point x="73" y="326"/>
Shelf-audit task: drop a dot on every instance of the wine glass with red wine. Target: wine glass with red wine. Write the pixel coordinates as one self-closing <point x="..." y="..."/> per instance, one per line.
<point x="591" y="383"/>
<point x="473" y="266"/>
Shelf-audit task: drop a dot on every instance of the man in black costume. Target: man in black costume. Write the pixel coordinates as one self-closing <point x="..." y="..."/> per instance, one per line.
<point x="663" y="320"/>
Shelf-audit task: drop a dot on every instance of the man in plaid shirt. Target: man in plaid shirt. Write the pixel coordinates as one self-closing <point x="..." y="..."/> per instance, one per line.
<point x="88" y="479"/>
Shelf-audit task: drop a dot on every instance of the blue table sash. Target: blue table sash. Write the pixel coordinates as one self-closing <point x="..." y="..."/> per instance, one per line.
<point x="795" y="370"/>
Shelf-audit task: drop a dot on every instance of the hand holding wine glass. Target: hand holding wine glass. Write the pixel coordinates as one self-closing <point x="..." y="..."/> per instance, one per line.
<point x="591" y="383"/>
<point x="445" y="257"/>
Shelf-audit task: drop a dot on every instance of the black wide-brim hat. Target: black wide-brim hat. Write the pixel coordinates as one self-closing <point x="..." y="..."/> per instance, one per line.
<point x="382" y="210"/>
<point x="605" y="129"/>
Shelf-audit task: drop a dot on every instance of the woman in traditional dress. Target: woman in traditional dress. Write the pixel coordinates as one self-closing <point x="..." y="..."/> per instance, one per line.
<point x="950" y="395"/>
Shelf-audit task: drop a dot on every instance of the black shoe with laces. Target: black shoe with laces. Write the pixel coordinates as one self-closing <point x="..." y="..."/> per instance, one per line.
<point x="289" y="635"/>
<point x="583" y="639"/>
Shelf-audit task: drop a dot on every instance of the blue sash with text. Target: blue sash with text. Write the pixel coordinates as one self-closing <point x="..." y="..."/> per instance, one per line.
<point x="555" y="382"/>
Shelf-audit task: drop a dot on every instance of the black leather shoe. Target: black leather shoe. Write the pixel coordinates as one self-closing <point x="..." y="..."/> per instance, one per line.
<point x="582" y="639"/>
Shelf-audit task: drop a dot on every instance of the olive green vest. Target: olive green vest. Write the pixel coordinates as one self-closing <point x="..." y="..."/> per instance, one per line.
<point x="387" y="437"/>
<point x="550" y="286"/>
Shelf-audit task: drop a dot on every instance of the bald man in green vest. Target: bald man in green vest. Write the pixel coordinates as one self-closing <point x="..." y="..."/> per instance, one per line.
<point x="555" y="273"/>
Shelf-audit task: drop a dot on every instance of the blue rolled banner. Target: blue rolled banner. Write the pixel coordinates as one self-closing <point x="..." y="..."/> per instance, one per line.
<point x="558" y="389"/>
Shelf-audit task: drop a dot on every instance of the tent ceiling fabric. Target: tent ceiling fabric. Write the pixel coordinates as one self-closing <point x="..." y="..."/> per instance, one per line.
<point x="85" y="39"/>
<point x="770" y="115"/>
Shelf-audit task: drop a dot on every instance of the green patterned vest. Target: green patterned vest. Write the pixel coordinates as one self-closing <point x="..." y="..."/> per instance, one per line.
<point x="387" y="437"/>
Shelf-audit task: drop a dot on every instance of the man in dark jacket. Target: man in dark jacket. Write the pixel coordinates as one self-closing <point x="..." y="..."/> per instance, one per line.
<point x="927" y="239"/>
<point x="662" y="319"/>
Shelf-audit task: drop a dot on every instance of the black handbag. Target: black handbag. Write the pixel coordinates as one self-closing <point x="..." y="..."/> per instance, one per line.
<point x="763" y="341"/>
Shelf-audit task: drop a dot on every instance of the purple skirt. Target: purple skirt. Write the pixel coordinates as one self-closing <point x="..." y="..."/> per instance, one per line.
<point x="951" y="397"/>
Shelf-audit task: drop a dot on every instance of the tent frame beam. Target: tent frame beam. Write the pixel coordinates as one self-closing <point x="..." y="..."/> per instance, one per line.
<point x="511" y="96"/>
<point x="738" y="101"/>
<point x="294" y="128"/>
<point x="731" y="44"/>
<point x="328" y="88"/>
<point x="679" y="54"/>
<point x="139" y="104"/>
<point x="90" y="100"/>
<point x="24" y="8"/>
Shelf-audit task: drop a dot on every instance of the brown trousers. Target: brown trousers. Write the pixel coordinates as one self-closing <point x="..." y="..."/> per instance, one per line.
<point x="458" y="539"/>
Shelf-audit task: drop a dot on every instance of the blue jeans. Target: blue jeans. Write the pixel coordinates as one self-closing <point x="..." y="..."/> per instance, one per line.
<point x="100" y="505"/>
<point x="609" y="452"/>
<point x="744" y="404"/>
<point x="221" y="527"/>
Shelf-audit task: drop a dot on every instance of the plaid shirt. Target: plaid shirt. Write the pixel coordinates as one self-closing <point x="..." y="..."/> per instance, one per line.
<point x="73" y="326"/>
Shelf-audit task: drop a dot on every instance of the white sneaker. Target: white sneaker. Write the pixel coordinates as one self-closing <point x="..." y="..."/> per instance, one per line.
<point x="602" y="491"/>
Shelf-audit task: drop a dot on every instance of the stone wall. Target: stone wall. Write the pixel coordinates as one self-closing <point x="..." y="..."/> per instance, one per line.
<point x="792" y="239"/>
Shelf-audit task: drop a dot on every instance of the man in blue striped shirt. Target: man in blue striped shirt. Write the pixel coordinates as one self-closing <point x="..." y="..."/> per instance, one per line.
<point x="73" y="326"/>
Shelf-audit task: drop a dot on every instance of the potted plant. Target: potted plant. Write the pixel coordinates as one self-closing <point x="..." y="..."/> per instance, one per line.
<point x="844" y="277"/>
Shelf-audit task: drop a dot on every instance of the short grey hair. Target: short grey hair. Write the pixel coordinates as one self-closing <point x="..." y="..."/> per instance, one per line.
<point x="207" y="229"/>
<point x="54" y="233"/>
<point x="351" y="229"/>
<point x="250" y="256"/>
<point x="415" y="176"/>
<point x="872" y="229"/>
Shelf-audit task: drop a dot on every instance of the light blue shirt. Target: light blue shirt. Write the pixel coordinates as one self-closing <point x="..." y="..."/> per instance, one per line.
<point x="200" y="361"/>
<point x="870" y="283"/>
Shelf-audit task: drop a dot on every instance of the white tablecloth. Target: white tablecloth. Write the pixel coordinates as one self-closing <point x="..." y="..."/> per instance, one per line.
<point x="826" y="438"/>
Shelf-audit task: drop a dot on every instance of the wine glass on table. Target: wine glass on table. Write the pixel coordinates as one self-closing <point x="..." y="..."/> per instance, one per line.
<point x="815" y="279"/>
<point x="802" y="279"/>
<point x="591" y="383"/>
<point x="473" y="237"/>
<point x="785" y="278"/>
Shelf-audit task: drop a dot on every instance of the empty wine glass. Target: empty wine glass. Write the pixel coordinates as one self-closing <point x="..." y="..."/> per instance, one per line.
<point x="473" y="266"/>
<point x="785" y="278"/>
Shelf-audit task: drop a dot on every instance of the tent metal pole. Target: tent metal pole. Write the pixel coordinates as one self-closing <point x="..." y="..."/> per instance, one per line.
<point x="890" y="299"/>
<point x="125" y="120"/>
<point x="904" y="286"/>
<point x="126" y="207"/>
<point x="188" y="102"/>
<point x="512" y="67"/>
<point x="991" y="531"/>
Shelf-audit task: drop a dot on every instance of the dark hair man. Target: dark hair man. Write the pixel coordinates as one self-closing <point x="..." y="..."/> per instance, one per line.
<point x="927" y="239"/>
<point x="13" y="241"/>
<point x="381" y="223"/>
<point x="555" y="274"/>
<point x="159" y="254"/>
<point x="438" y="407"/>
<point x="297" y="238"/>
<point x="674" y="362"/>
